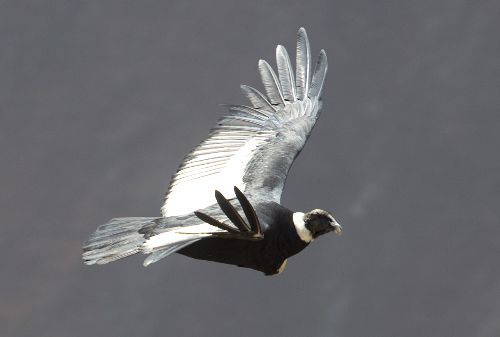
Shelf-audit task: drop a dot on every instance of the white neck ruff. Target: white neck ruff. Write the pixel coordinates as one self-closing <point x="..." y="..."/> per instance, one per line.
<point x="300" y="226"/>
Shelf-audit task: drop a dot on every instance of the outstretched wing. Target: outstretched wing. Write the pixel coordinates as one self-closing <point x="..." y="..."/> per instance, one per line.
<point x="254" y="146"/>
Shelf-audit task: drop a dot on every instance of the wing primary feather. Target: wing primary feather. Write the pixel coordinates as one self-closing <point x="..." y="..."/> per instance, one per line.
<point x="211" y="221"/>
<point x="249" y="211"/>
<point x="256" y="121"/>
<point x="269" y="116"/>
<point x="257" y="99"/>
<point x="249" y="110"/>
<point x="210" y="156"/>
<point x="194" y="176"/>
<point x="214" y="150"/>
<point x="203" y="163"/>
<point x="271" y="84"/>
<point x="196" y="161"/>
<point x="199" y="172"/>
<point x="184" y="180"/>
<point x="230" y="134"/>
<point x="319" y="76"/>
<point x="303" y="64"/>
<point x="228" y="141"/>
<point x="194" y="170"/>
<point x="239" y="128"/>
<point x="285" y="74"/>
<point x="231" y="212"/>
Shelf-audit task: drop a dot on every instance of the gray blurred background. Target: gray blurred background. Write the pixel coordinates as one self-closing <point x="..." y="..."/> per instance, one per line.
<point x="100" y="100"/>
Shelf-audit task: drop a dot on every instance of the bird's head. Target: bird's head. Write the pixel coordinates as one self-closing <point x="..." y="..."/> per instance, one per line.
<point x="315" y="223"/>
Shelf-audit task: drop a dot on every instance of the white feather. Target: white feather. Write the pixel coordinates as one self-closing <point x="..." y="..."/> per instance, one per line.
<point x="198" y="193"/>
<point x="177" y="235"/>
<point x="300" y="226"/>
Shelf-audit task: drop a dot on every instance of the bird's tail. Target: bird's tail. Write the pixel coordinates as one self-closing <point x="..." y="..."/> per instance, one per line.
<point x="114" y="240"/>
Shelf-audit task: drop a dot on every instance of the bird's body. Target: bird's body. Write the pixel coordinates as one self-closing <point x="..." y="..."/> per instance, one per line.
<point x="267" y="255"/>
<point x="246" y="156"/>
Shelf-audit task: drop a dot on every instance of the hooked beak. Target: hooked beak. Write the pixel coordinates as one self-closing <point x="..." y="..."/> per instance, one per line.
<point x="336" y="228"/>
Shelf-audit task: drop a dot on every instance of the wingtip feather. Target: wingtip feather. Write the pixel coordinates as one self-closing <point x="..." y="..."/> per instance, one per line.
<point x="285" y="74"/>
<point x="303" y="64"/>
<point x="318" y="79"/>
<point x="271" y="83"/>
<point x="256" y="98"/>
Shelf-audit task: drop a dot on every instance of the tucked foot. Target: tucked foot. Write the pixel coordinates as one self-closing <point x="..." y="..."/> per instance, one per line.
<point x="243" y="231"/>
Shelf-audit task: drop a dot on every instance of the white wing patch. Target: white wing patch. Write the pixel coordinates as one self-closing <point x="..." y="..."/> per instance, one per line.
<point x="195" y="185"/>
<point x="178" y="235"/>
<point x="232" y="174"/>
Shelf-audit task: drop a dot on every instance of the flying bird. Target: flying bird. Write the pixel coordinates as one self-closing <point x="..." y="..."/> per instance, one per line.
<point x="244" y="161"/>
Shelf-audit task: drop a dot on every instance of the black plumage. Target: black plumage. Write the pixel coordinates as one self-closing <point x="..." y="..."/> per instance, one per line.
<point x="267" y="253"/>
<point x="246" y="158"/>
